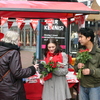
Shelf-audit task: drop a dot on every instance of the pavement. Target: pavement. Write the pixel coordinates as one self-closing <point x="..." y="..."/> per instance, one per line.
<point x="26" y="58"/>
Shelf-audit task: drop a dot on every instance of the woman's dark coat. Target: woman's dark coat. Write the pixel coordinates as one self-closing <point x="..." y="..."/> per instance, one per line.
<point x="11" y="87"/>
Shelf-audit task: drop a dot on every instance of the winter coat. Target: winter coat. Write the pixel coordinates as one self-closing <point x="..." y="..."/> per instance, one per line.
<point x="93" y="79"/>
<point x="11" y="87"/>
<point x="57" y="87"/>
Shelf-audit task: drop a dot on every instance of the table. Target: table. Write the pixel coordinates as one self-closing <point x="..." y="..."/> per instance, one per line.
<point x="34" y="90"/>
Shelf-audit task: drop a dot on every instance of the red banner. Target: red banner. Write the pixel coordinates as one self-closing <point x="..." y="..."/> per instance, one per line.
<point x="79" y="19"/>
<point x="34" y="23"/>
<point x="31" y="25"/>
<point x="64" y="21"/>
<point x="9" y="24"/>
<point x="82" y="19"/>
<point x="22" y="25"/>
<point x="1" y="35"/>
<point x="3" y="20"/>
<point x="19" y="21"/>
<point x="43" y="23"/>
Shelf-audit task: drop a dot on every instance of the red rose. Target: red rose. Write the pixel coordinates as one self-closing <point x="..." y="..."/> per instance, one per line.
<point x="51" y="64"/>
<point x="55" y="64"/>
<point x="86" y="50"/>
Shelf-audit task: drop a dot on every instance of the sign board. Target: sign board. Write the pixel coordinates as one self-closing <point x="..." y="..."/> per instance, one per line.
<point x="57" y="31"/>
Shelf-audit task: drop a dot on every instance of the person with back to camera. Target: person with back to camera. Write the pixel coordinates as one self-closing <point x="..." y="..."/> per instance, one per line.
<point x="90" y="78"/>
<point x="56" y="88"/>
<point x="98" y="38"/>
<point x="11" y="72"/>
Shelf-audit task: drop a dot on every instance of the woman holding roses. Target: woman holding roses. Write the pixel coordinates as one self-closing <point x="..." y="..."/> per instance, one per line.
<point x="55" y="85"/>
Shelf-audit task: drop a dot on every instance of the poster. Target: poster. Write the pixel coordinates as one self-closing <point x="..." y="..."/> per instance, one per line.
<point x="57" y="31"/>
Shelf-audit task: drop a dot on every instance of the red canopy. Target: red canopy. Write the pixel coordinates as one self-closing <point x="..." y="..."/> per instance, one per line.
<point x="43" y="9"/>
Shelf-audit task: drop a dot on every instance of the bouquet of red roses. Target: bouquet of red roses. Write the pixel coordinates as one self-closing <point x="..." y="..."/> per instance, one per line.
<point x="46" y="73"/>
<point x="82" y="57"/>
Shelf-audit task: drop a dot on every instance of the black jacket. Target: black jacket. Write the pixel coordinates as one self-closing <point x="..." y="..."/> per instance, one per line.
<point x="11" y="87"/>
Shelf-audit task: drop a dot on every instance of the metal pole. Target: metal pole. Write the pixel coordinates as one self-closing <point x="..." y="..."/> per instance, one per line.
<point x="67" y="36"/>
<point x="38" y="45"/>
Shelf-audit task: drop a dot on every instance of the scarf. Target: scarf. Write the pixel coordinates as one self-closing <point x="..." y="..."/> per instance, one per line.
<point x="9" y="46"/>
<point x="56" y="58"/>
<point x="5" y="47"/>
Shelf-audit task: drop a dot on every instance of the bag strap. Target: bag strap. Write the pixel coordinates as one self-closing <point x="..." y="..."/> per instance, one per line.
<point x="5" y="53"/>
<point x="4" y="75"/>
<point x="7" y="71"/>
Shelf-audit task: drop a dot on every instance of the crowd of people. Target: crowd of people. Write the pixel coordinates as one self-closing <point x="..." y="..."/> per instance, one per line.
<point x="55" y="87"/>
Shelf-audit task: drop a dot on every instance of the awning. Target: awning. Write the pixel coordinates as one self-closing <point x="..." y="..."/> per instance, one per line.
<point x="43" y="9"/>
<point x="94" y="17"/>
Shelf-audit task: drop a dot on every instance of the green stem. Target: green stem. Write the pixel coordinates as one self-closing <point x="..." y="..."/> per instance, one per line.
<point x="79" y="73"/>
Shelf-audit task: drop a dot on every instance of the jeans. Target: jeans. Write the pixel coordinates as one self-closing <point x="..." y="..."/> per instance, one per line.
<point x="89" y="93"/>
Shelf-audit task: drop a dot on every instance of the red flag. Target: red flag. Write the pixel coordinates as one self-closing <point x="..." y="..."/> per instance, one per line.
<point x="22" y="25"/>
<point x="31" y="25"/>
<point x="0" y="21"/>
<point x="9" y="24"/>
<point x="19" y="21"/>
<point x="43" y="23"/>
<point x="82" y="19"/>
<point x="34" y="23"/>
<point x="49" y="22"/>
<point x="3" y="20"/>
<point x="81" y="22"/>
<point x="79" y="18"/>
<point x="64" y="21"/>
<point x="1" y="35"/>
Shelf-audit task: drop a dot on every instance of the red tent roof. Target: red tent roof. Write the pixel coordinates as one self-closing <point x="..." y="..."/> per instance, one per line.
<point x="43" y="9"/>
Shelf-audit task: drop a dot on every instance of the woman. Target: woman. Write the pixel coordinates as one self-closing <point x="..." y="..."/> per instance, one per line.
<point x="56" y="88"/>
<point x="11" y="72"/>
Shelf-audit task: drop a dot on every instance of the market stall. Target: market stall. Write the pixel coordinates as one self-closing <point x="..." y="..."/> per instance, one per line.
<point x="44" y="10"/>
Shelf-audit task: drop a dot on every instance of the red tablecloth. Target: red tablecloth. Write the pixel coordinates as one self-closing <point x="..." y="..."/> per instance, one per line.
<point x="34" y="90"/>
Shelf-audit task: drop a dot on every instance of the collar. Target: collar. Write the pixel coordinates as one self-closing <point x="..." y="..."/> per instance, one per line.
<point x="93" y="51"/>
<point x="9" y="46"/>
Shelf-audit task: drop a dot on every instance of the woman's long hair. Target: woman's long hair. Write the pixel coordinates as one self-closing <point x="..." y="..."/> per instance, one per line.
<point x="58" y="48"/>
